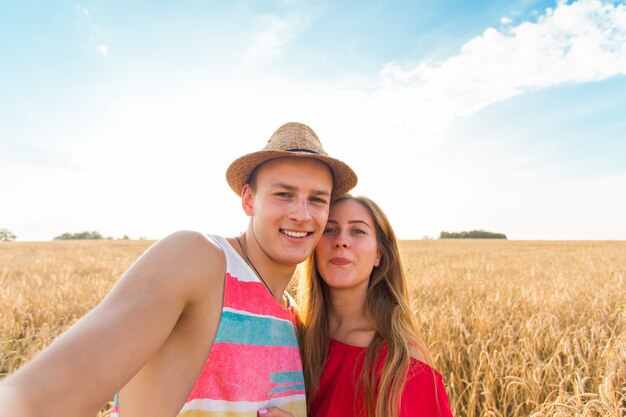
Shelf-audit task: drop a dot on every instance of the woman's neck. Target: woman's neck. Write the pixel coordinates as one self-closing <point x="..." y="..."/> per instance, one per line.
<point x="348" y="321"/>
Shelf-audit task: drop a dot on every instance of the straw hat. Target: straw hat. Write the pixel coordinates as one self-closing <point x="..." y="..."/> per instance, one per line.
<point x="294" y="140"/>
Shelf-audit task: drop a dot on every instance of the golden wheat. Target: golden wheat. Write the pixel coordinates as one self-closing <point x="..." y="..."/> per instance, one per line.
<point x="516" y="328"/>
<point x="524" y="328"/>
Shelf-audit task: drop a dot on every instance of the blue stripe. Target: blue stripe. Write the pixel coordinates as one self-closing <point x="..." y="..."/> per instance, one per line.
<point x="255" y="330"/>
<point x="287" y="377"/>
<point x="296" y="387"/>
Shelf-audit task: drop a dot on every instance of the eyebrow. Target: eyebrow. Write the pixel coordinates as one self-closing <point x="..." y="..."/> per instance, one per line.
<point x="292" y="188"/>
<point x="350" y="222"/>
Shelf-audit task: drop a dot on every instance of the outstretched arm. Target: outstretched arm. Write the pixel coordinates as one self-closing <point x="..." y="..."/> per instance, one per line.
<point x="82" y="369"/>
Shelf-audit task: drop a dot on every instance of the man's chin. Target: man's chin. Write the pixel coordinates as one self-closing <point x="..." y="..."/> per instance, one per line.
<point x="293" y="259"/>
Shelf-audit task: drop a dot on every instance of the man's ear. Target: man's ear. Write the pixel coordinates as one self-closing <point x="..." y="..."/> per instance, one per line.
<point x="247" y="200"/>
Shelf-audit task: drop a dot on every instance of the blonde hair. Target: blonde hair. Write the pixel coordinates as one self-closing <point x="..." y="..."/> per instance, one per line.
<point x="386" y="304"/>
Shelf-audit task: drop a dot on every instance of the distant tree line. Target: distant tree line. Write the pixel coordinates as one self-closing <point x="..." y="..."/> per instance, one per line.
<point x="6" y="235"/>
<point x="80" y="236"/>
<point x="93" y="235"/>
<point x="473" y="234"/>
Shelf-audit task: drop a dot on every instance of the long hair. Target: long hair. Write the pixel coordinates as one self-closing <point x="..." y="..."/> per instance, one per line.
<point x="386" y="304"/>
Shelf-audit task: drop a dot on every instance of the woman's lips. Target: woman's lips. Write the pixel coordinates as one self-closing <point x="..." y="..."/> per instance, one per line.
<point x="339" y="261"/>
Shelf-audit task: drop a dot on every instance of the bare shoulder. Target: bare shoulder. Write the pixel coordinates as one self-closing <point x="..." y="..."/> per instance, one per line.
<point x="182" y="262"/>
<point x="186" y="243"/>
<point x="186" y="249"/>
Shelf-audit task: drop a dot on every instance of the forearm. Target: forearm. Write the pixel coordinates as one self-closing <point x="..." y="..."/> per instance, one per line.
<point x="42" y="388"/>
<point x="14" y="401"/>
<point x="82" y="369"/>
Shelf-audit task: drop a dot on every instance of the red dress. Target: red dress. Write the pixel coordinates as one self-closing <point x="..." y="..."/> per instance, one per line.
<point x="424" y="394"/>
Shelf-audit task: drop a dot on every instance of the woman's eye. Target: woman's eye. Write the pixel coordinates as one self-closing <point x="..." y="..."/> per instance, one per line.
<point x="358" y="231"/>
<point x="282" y="194"/>
<point x="328" y="230"/>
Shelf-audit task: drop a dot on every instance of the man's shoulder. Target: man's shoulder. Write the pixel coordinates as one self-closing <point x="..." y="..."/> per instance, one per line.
<point x="187" y="255"/>
<point x="191" y="242"/>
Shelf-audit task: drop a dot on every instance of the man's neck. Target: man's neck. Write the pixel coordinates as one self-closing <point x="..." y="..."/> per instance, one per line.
<point x="274" y="274"/>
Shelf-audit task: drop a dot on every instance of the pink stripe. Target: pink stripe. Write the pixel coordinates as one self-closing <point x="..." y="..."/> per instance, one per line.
<point x="253" y="297"/>
<point x="242" y="372"/>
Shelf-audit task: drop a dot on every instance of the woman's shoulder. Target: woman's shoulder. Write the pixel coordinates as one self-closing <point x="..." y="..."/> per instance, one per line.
<point x="425" y="391"/>
<point x="422" y="371"/>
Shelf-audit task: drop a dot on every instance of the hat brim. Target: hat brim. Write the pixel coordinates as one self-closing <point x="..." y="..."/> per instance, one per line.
<point x="239" y="171"/>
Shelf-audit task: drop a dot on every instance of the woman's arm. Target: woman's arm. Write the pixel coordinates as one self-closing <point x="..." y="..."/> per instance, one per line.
<point x="273" y="412"/>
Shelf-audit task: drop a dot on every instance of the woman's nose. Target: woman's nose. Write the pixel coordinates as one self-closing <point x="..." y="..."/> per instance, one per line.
<point x="341" y="241"/>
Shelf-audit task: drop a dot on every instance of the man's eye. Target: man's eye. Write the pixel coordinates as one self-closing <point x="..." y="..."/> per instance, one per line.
<point x="318" y="200"/>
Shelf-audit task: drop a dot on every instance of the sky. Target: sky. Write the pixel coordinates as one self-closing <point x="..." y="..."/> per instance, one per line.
<point x="122" y="117"/>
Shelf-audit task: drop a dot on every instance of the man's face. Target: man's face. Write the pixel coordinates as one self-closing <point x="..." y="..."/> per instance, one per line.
<point x="289" y="207"/>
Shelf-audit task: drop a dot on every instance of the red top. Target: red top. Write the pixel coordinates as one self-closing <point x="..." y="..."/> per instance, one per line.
<point x="424" y="393"/>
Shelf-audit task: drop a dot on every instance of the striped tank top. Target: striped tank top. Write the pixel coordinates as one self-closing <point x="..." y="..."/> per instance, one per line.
<point x="254" y="362"/>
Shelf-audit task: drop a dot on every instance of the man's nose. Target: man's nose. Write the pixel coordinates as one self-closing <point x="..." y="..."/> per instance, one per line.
<point x="301" y="212"/>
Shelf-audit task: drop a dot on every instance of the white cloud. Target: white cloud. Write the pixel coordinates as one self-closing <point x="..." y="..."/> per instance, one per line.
<point x="275" y="34"/>
<point x="580" y="42"/>
<point x="82" y="9"/>
<point x="506" y="20"/>
<point x="95" y="36"/>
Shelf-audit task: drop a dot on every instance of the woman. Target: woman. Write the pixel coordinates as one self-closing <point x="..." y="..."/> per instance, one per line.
<point x="359" y="343"/>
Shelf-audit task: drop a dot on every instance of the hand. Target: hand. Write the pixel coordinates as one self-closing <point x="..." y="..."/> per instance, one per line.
<point x="273" y="412"/>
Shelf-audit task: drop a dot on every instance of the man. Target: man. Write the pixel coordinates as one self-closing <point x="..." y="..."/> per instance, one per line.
<point x="199" y="325"/>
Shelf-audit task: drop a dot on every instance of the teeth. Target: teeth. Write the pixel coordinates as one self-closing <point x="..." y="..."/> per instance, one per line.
<point x="292" y="233"/>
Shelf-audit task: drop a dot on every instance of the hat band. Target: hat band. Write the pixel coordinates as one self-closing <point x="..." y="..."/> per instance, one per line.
<point x="301" y="150"/>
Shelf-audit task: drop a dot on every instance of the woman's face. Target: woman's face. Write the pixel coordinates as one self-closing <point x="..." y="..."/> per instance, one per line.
<point x="347" y="251"/>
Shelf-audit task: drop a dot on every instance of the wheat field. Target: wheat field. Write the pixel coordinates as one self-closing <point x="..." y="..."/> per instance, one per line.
<point x="516" y="328"/>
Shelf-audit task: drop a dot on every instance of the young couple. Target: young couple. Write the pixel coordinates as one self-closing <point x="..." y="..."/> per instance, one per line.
<point x="202" y="326"/>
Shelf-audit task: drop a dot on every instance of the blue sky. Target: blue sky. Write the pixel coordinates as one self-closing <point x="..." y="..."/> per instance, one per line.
<point x="122" y="117"/>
